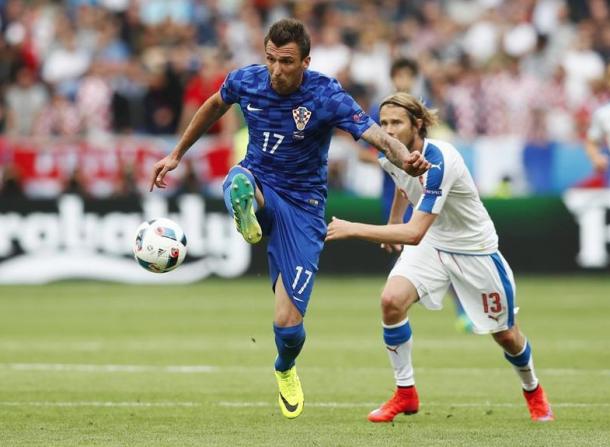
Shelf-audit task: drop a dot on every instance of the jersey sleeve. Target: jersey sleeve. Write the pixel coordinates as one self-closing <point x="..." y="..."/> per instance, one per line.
<point x="437" y="183"/>
<point x="229" y="91"/>
<point x="345" y="113"/>
<point x="596" y="130"/>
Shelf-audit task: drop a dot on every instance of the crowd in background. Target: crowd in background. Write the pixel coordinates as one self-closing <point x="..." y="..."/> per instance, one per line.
<point x="535" y="68"/>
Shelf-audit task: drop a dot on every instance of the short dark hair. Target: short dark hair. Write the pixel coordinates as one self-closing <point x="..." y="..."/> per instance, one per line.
<point x="404" y="62"/>
<point x="285" y="31"/>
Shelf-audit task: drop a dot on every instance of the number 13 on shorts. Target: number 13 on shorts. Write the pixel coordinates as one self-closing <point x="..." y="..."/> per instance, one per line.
<point x="492" y="303"/>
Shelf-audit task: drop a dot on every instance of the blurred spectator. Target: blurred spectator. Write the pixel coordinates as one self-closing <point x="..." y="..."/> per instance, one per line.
<point x="582" y="65"/>
<point x="508" y="96"/>
<point x="162" y="102"/>
<point x="24" y="101"/>
<point x="128" y="100"/>
<point x="207" y="82"/>
<point x="10" y="185"/>
<point x="127" y="187"/>
<point x="59" y="117"/>
<point x="110" y="48"/>
<point x="76" y="183"/>
<point x="190" y="183"/>
<point x="66" y="62"/>
<point x="463" y="98"/>
<point x="370" y="64"/>
<point x="158" y="12"/>
<point x="330" y="55"/>
<point x="94" y="100"/>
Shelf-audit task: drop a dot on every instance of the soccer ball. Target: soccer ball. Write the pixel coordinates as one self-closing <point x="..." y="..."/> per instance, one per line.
<point x="160" y="245"/>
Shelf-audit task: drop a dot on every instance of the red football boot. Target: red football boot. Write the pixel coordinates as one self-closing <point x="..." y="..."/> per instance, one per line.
<point x="404" y="400"/>
<point x="537" y="403"/>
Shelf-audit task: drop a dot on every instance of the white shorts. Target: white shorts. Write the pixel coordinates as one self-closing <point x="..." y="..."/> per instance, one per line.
<point x="484" y="284"/>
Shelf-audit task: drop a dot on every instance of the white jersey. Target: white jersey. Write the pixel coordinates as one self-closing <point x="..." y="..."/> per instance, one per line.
<point x="599" y="129"/>
<point x="448" y="190"/>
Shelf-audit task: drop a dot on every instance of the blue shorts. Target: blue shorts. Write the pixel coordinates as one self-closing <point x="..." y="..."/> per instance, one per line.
<point x="296" y="238"/>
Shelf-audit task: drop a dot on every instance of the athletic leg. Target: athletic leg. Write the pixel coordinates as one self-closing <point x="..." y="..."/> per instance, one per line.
<point x="518" y="352"/>
<point x="289" y="340"/>
<point x="397" y="297"/>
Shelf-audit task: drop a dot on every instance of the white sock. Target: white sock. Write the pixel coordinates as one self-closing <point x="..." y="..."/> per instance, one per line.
<point x="526" y="372"/>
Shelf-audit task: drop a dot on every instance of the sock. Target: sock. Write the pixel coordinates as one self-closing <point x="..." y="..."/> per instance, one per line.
<point x="226" y="190"/>
<point x="524" y="366"/>
<point x="399" y="344"/>
<point x="289" y="341"/>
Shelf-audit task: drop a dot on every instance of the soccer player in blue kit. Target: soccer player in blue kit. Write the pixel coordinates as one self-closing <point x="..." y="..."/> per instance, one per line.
<point x="280" y="187"/>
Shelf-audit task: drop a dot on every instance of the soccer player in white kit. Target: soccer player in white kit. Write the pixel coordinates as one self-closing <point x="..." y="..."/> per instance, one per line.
<point x="452" y="241"/>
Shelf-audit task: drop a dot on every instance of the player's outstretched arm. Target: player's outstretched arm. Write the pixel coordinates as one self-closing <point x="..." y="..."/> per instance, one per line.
<point x="209" y="112"/>
<point x="410" y="233"/>
<point x="413" y="163"/>
<point x="397" y="211"/>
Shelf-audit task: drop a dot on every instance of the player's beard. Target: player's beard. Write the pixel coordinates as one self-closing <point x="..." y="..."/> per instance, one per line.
<point x="279" y="85"/>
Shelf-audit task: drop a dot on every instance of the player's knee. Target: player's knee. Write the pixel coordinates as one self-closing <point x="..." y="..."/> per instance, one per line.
<point x="507" y="338"/>
<point x="237" y="169"/>
<point x="391" y="303"/>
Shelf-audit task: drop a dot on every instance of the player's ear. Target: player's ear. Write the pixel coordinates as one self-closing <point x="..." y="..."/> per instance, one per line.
<point x="305" y="62"/>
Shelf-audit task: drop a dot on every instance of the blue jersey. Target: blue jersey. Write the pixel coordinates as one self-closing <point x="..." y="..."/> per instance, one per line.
<point x="290" y="135"/>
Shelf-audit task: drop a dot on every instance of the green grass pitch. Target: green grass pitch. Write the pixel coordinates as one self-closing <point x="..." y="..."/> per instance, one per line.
<point x="92" y="364"/>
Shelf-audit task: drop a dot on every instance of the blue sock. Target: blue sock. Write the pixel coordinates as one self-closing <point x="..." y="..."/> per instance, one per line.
<point x="522" y="358"/>
<point x="289" y="342"/>
<point x="397" y="334"/>
<point x="227" y="183"/>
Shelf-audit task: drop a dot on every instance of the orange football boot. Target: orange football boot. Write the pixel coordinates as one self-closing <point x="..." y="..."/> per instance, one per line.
<point x="538" y="404"/>
<point x="404" y="400"/>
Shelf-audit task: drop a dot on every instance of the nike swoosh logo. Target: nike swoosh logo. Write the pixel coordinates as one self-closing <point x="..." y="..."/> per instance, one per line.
<point x="291" y="408"/>
<point x="295" y="298"/>
<point x="252" y="109"/>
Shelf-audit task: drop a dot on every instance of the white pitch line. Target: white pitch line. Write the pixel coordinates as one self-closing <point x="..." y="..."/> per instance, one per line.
<point x="93" y="368"/>
<point x="99" y="404"/>
<point x="199" y="369"/>
<point x="424" y="404"/>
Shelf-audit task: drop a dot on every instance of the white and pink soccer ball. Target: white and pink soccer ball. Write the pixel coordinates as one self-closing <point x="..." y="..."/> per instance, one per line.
<point x="160" y="245"/>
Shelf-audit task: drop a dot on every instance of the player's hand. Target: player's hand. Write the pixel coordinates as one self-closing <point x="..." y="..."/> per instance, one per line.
<point x="338" y="229"/>
<point x="415" y="164"/>
<point x="161" y="168"/>
<point x="392" y="248"/>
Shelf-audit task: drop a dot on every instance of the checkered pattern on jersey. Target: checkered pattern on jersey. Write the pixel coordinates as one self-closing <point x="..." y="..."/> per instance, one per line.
<point x="292" y="161"/>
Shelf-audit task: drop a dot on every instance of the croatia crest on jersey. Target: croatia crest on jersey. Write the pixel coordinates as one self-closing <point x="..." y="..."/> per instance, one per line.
<point x="301" y="117"/>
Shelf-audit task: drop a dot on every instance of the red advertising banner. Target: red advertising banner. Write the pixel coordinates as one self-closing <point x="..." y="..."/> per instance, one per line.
<point x="112" y="166"/>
